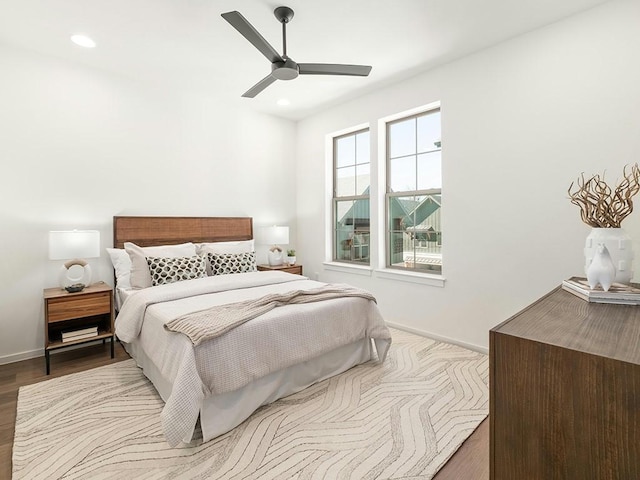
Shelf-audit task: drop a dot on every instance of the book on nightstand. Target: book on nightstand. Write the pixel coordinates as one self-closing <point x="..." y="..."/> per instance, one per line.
<point x="617" y="293"/>
<point x="71" y="335"/>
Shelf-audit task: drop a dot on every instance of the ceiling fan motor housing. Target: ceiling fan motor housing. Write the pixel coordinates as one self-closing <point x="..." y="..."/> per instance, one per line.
<point x="287" y="70"/>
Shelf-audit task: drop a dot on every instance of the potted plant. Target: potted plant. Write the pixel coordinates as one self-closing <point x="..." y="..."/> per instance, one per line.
<point x="291" y="256"/>
<point x="604" y="208"/>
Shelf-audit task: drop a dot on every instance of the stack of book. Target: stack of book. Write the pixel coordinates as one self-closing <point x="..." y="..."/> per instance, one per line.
<point x="618" y="293"/>
<point x="72" y="335"/>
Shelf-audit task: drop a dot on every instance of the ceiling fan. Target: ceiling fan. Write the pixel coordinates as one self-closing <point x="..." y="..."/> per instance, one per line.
<point x="283" y="67"/>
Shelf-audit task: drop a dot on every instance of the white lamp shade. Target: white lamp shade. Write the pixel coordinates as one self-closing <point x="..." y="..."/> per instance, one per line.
<point x="274" y="235"/>
<point x="65" y="245"/>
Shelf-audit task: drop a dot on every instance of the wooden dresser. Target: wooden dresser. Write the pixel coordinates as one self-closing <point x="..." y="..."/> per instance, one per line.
<point x="565" y="391"/>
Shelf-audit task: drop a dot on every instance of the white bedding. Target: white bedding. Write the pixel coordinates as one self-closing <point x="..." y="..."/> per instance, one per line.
<point x="282" y="338"/>
<point x="121" y="295"/>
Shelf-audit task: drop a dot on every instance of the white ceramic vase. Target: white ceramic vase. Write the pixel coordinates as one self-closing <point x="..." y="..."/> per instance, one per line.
<point x="291" y="260"/>
<point x="619" y="245"/>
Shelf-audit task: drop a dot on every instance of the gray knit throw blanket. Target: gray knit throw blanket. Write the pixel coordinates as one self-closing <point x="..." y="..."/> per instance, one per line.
<point x="215" y="321"/>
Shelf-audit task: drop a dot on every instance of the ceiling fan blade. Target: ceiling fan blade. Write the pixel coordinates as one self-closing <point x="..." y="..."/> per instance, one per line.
<point x="333" y="69"/>
<point x="260" y="86"/>
<point x="243" y="26"/>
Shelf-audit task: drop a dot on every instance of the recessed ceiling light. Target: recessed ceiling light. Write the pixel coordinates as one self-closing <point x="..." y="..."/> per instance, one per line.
<point x="283" y="102"/>
<point x="83" y="41"/>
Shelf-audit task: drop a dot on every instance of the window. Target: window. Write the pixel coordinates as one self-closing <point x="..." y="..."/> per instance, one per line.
<point x="414" y="193"/>
<point x="351" y="184"/>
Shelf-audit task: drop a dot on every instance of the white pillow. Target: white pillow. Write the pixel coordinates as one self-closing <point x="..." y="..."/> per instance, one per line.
<point x="122" y="265"/>
<point x="140" y="276"/>
<point x="241" y="246"/>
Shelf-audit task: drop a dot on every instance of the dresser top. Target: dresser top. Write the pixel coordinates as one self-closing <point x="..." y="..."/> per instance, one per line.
<point x="562" y="319"/>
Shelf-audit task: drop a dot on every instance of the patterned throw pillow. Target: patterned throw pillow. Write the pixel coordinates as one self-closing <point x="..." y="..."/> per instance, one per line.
<point x="169" y="270"/>
<point x="224" y="263"/>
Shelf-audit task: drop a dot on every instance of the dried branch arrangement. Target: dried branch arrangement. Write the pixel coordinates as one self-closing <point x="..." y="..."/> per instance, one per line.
<point x="601" y="206"/>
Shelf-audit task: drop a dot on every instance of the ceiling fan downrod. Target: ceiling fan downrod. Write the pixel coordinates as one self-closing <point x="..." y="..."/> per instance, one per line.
<point x="287" y="70"/>
<point x="284" y="39"/>
<point x="284" y="16"/>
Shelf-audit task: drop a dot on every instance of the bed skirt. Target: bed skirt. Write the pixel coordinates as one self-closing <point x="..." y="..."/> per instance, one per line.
<point x="221" y="413"/>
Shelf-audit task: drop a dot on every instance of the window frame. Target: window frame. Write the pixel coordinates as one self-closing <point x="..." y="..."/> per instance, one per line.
<point x="335" y="199"/>
<point x="386" y="125"/>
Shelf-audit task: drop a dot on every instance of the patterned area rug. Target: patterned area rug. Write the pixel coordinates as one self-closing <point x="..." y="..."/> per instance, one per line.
<point x="403" y="419"/>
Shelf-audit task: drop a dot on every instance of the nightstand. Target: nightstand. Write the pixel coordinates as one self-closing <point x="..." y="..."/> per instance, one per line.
<point x="76" y="318"/>
<point x="295" y="269"/>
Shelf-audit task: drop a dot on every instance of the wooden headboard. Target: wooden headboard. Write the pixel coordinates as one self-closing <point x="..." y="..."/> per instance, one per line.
<point x="149" y="231"/>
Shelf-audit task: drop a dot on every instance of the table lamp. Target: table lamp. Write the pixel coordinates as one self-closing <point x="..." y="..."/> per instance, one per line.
<point x="74" y="246"/>
<point x="273" y="236"/>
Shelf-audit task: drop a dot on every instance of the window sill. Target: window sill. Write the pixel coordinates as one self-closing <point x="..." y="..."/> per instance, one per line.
<point x="412" y="277"/>
<point x="348" y="268"/>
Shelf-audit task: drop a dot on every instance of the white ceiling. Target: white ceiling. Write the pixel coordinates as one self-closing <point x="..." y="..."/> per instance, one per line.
<point x="186" y="44"/>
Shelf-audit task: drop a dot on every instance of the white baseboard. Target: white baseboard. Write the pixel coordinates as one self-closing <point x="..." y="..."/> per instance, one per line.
<point x="17" y="357"/>
<point x="422" y="333"/>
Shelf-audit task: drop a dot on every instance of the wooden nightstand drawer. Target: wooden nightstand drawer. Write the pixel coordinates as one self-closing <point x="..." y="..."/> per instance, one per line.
<point x="295" y="269"/>
<point x="66" y="308"/>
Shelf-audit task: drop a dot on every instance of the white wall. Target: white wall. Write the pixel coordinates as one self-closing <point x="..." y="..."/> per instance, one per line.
<point x="520" y="122"/>
<point x="78" y="146"/>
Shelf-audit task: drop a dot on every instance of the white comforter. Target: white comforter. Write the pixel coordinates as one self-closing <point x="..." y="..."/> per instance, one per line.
<point x="283" y="337"/>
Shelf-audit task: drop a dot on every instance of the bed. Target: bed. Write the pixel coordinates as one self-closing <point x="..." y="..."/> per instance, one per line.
<point x="220" y="379"/>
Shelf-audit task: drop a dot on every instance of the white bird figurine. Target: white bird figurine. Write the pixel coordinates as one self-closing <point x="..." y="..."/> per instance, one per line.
<point x="601" y="269"/>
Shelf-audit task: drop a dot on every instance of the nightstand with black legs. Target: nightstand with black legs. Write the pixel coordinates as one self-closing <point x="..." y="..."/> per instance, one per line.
<point x="76" y="318"/>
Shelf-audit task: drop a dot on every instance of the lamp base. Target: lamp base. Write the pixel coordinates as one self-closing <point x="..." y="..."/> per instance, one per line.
<point x="275" y="257"/>
<point x="75" y="273"/>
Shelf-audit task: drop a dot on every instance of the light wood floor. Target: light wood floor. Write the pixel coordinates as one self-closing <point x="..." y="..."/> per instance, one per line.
<point x="470" y="462"/>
